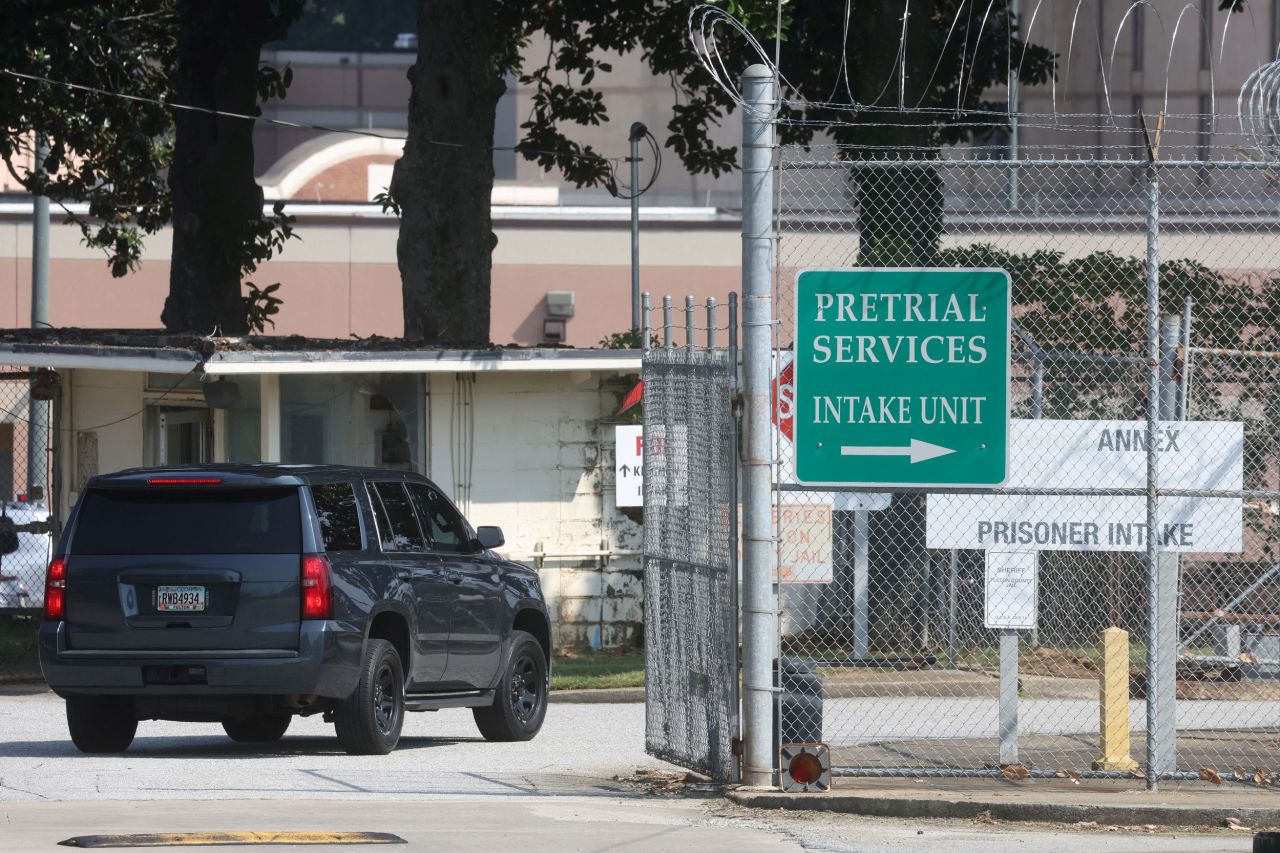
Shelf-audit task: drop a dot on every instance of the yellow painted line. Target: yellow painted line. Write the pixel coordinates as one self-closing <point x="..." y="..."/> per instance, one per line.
<point x="221" y="839"/>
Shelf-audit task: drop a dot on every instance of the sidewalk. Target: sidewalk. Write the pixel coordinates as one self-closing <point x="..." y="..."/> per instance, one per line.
<point x="1124" y="804"/>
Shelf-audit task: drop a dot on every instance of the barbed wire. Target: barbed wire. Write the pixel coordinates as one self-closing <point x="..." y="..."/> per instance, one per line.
<point x="1258" y="101"/>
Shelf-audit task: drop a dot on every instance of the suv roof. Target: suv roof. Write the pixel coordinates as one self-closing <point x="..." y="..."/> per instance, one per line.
<point x="256" y="474"/>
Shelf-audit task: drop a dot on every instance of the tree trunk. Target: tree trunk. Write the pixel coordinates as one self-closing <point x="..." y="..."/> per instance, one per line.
<point x="900" y="211"/>
<point x="444" y="181"/>
<point x="216" y="203"/>
<point x="899" y="207"/>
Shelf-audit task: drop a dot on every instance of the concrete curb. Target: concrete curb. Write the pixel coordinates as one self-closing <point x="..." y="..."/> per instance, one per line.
<point x="614" y="695"/>
<point x="1166" y="813"/>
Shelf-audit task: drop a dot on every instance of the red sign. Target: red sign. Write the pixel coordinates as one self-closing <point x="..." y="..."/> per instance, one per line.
<point x="784" y="402"/>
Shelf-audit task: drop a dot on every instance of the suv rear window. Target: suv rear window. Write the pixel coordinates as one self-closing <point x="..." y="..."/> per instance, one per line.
<point x="161" y="520"/>
<point x="339" y="516"/>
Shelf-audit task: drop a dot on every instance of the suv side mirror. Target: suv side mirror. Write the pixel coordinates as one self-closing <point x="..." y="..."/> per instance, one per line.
<point x="490" y="537"/>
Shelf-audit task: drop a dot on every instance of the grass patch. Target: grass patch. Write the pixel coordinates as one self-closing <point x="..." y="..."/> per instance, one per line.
<point x="598" y="671"/>
<point x="17" y="640"/>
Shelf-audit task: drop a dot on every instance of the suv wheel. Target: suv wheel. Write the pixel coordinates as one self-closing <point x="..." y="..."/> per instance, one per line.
<point x="263" y="728"/>
<point x="101" y="723"/>
<point x="369" y="720"/>
<point x="520" y="703"/>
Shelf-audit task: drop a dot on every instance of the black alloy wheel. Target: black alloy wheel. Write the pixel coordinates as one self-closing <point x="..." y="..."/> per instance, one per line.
<point x="386" y="708"/>
<point x="368" y="722"/>
<point x="526" y="694"/>
<point x="520" y="702"/>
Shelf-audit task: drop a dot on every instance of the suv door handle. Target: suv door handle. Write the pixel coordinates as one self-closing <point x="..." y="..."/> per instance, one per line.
<point x="403" y="575"/>
<point x="453" y="576"/>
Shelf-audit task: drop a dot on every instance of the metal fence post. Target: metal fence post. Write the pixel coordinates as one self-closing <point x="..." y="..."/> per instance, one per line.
<point x="735" y="491"/>
<point x="861" y="583"/>
<point x="666" y="320"/>
<point x="711" y="322"/>
<point x="1162" y="574"/>
<point x="38" y="430"/>
<point x="645" y="333"/>
<point x="1008" y="725"/>
<point x="759" y="617"/>
<point x="689" y="341"/>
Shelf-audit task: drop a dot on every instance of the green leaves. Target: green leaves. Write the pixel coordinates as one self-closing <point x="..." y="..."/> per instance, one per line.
<point x="260" y="306"/>
<point x="387" y="201"/>
<point x="273" y="83"/>
<point x="105" y="151"/>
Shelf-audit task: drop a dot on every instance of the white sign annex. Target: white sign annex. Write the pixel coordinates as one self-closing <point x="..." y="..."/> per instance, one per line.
<point x="1050" y="454"/>
<point x="1010" y="590"/>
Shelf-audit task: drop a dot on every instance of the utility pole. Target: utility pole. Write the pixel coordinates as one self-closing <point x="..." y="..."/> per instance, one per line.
<point x="637" y="132"/>
<point x="1015" y="10"/>
<point x="38" y="410"/>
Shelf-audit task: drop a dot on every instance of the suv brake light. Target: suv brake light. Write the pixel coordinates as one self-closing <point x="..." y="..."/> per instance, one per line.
<point x="317" y="588"/>
<point x="55" y="589"/>
<point x="183" y="481"/>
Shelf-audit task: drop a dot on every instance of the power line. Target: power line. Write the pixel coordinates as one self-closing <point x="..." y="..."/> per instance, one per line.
<point x="128" y="417"/>
<point x="164" y="103"/>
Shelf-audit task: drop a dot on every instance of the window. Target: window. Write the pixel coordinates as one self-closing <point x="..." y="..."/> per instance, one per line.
<point x="397" y="526"/>
<point x="446" y="529"/>
<point x="160" y="520"/>
<point x="372" y="419"/>
<point x="1139" y="36"/>
<point x="243" y="422"/>
<point x="339" y="516"/>
<point x="1204" y="137"/>
<point x="1206" y="34"/>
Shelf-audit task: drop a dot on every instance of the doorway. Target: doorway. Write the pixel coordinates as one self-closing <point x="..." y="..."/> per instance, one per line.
<point x="181" y="436"/>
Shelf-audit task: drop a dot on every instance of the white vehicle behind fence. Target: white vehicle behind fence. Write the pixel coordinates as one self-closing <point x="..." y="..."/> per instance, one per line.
<point x="22" y="572"/>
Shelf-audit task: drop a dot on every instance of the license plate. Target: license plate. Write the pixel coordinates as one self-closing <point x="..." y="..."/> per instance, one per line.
<point x="180" y="599"/>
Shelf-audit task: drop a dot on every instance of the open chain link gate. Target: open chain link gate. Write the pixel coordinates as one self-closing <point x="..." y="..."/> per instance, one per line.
<point x="27" y="443"/>
<point x="690" y="564"/>
<point x="1146" y="315"/>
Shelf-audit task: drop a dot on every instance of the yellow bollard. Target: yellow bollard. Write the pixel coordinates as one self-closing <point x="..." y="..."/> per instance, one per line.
<point x="1114" y="703"/>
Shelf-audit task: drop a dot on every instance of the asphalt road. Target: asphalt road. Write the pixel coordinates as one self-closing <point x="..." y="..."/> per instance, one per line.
<point x="445" y="789"/>
<point x="580" y="749"/>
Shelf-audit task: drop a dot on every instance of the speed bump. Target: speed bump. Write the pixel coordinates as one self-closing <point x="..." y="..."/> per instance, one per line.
<point x="222" y="839"/>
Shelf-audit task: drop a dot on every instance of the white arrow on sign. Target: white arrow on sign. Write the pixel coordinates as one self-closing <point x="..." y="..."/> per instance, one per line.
<point x="919" y="451"/>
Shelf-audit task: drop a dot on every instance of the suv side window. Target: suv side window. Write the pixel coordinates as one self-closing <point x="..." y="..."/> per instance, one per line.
<point x="397" y="527"/>
<point x="339" y="516"/>
<point x="444" y="527"/>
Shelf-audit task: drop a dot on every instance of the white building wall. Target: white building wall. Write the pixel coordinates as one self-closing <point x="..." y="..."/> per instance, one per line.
<point x="533" y="454"/>
<point x="92" y="400"/>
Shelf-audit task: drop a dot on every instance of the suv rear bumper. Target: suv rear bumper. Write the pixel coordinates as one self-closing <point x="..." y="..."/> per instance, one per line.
<point x="326" y="664"/>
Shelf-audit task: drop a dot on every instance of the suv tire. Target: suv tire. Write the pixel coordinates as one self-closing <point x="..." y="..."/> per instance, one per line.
<point x="101" y="723"/>
<point x="368" y="721"/>
<point x="520" y="702"/>
<point x="262" y="728"/>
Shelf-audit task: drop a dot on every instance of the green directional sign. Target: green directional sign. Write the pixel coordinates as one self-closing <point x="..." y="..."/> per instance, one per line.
<point x="902" y="377"/>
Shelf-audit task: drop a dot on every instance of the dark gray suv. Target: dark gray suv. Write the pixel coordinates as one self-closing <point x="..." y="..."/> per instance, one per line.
<point x="247" y="594"/>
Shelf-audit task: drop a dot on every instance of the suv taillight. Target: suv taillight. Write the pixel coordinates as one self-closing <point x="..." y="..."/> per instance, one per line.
<point x="55" y="589"/>
<point x="317" y="588"/>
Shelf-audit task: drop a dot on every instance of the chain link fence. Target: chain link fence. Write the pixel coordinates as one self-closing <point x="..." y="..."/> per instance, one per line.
<point x="1136" y="292"/>
<point x="690" y="580"/>
<point x="25" y="499"/>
